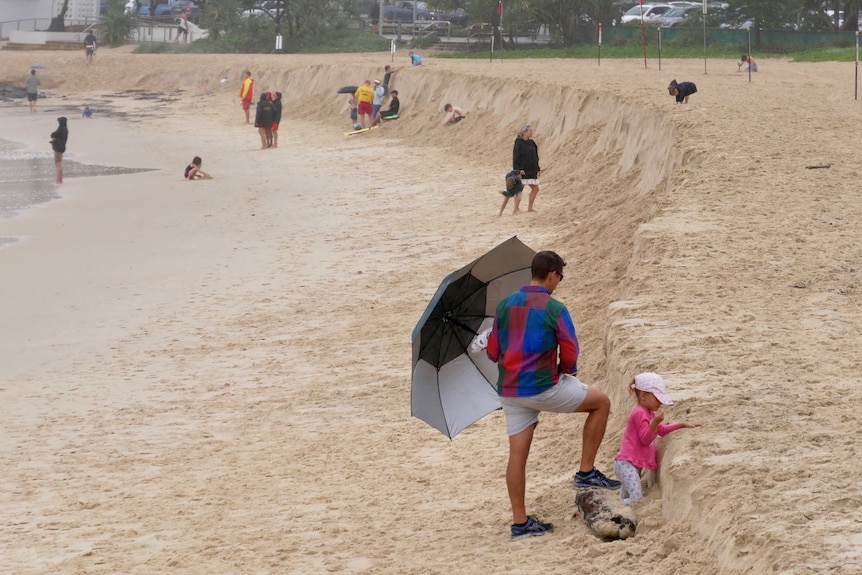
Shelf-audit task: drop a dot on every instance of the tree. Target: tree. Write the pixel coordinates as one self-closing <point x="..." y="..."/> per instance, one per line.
<point x="58" y="22"/>
<point x="116" y="26"/>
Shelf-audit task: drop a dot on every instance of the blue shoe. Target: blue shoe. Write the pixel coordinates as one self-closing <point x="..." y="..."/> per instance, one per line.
<point x="595" y="478"/>
<point x="532" y="528"/>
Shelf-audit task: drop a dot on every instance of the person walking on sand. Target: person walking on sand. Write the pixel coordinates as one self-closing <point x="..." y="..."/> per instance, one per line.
<point x="246" y="93"/>
<point x="525" y="156"/>
<point x="365" y="96"/>
<point x="681" y="90"/>
<point x="59" y="137"/>
<point x="454" y="114"/>
<point x="530" y="329"/>
<point x="182" y="29"/>
<point x="33" y="89"/>
<point x="514" y="187"/>
<point x="638" y="450"/>
<point x="89" y="46"/>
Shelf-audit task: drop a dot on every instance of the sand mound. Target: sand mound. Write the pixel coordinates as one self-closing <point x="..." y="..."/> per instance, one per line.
<point x="698" y="245"/>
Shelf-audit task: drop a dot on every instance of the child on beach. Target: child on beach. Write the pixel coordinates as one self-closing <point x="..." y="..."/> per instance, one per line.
<point x="638" y="450"/>
<point x="454" y="114"/>
<point x="747" y="59"/>
<point x="194" y="171"/>
<point x="87" y="113"/>
<point x="353" y="102"/>
<point x="681" y="90"/>
<point x="514" y="187"/>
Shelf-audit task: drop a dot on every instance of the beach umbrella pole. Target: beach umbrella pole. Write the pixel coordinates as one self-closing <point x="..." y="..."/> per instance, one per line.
<point x="856" y="78"/>
<point x="704" y="36"/>
<point x="659" y="48"/>
<point x="749" y="53"/>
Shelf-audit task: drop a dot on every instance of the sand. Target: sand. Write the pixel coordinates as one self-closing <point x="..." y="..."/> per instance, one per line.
<point x="214" y="376"/>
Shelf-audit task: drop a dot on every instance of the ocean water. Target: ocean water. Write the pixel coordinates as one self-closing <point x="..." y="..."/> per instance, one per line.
<point x="27" y="178"/>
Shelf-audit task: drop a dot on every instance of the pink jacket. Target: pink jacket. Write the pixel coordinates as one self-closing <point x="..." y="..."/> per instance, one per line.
<point x="638" y="444"/>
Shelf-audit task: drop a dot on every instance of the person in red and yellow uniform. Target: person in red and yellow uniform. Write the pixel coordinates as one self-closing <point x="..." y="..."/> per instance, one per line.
<point x="246" y="93"/>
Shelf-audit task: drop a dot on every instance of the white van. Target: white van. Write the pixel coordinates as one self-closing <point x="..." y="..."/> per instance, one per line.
<point x="650" y="12"/>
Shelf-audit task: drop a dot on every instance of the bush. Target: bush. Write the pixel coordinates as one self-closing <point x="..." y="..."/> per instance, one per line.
<point x="115" y="27"/>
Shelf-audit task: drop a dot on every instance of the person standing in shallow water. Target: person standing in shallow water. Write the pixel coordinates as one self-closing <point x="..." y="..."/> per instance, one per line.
<point x="32" y="89"/>
<point x="58" y="144"/>
<point x="525" y="157"/>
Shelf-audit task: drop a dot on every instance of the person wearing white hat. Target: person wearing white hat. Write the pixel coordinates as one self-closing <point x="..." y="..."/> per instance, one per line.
<point x="377" y="102"/>
<point x="638" y="450"/>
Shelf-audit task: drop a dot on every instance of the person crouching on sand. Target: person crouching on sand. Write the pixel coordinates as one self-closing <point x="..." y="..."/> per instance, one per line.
<point x="194" y="171"/>
<point x="454" y="114"/>
<point x="681" y="90"/>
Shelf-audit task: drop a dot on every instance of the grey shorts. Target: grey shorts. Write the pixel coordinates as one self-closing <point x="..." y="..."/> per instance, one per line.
<point x="565" y="397"/>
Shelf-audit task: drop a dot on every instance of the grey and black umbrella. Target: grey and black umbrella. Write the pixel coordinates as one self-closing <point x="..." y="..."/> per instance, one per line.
<point x="452" y="388"/>
<point x="347" y="89"/>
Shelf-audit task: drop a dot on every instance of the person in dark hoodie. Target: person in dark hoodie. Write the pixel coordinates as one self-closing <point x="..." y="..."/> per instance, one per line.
<point x="525" y="156"/>
<point x="263" y="120"/>
<point x="58" y="144"/>
<point x="681" y="90"/>
<point x="276" y="117"/>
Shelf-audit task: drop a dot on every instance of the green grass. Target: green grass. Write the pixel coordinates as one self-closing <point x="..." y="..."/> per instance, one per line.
<point x="352" y="41"/>
<point x="364" y="41"/>
<point x="816" y="54"/>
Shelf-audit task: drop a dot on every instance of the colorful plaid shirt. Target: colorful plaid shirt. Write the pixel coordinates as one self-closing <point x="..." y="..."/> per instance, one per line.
<point x="528" y="329"/>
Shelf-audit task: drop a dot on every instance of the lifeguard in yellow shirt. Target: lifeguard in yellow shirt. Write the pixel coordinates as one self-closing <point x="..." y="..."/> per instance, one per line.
<point x="246" y="93"/>
<point x="365" y="95"/>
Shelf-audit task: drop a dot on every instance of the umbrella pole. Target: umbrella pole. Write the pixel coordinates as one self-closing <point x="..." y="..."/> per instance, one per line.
<point x="460" y="324"/>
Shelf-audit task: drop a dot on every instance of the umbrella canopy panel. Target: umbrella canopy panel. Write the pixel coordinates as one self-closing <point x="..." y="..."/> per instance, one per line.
<point x="347" y="90"/>
<point x="457" y="395"/>
<point x="452" y="387"/>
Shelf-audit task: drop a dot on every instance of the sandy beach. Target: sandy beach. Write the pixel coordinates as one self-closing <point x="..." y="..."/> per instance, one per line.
<point x="214" y="376"/>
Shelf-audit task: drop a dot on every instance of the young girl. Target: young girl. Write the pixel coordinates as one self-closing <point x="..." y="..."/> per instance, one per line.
<point x="638" y="449"/>
<point x="194" y="171"/>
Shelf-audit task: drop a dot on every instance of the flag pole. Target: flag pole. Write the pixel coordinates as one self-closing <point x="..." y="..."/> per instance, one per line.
<point x="643" y="30"/>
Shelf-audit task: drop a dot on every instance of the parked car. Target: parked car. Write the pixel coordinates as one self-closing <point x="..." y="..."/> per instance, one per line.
<point x="457" y="17"/>
<point x="187" y="6"/>
<point x="162" y="9"/>
<point x="650" y="12"/>
<point x="674" y="17"/>
<point x="402" y="11"/>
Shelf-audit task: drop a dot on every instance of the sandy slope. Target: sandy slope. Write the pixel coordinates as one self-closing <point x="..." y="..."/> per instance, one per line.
<point x="214" y="377"/>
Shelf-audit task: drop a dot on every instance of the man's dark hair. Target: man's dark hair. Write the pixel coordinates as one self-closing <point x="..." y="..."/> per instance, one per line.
<point x="545" y="263"/>
<point x="394" y="92"/>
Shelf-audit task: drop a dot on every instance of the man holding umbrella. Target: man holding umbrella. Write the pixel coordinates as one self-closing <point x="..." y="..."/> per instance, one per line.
<point x="529" y="328"/>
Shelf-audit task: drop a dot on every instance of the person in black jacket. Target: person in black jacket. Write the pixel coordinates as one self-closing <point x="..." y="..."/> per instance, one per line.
<point x="525" y="156"/>
<point x="276" y="117"/>
<point x="263" y="120"/>
<point x="58" y="144"/>
<point x="681" y="90"/>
